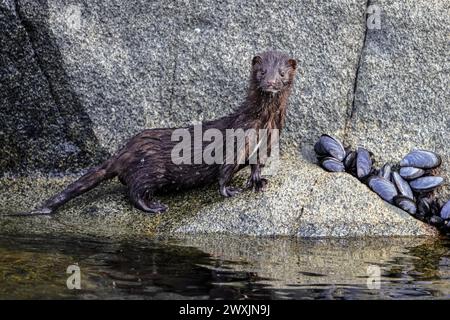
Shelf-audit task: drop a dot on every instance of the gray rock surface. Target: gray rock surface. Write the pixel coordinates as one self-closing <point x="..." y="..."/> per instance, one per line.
<point x="43" y="126"/>
<point x="305" y="201"/>
<point x="79" y="77"/>
<point x="403" y="97"/>
<point x="107" y="70"/>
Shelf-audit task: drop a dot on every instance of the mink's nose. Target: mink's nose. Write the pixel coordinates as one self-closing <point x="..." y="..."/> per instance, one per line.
<point x="271" y="82"/>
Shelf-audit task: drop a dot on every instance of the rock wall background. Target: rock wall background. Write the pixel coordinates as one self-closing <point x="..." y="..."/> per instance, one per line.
<point x="402" y="96"/>
<point x="80" y="77"/>
<point x="93" y="73"/>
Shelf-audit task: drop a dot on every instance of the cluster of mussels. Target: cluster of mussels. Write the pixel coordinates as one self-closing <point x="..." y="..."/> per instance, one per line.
<point x="409" y="185"/>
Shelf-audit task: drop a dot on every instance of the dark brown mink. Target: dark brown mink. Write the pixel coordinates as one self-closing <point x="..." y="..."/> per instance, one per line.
<point x="145" y="165"/>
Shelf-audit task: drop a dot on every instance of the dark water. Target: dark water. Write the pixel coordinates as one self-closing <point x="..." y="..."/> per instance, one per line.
<point x="223" y="267"/>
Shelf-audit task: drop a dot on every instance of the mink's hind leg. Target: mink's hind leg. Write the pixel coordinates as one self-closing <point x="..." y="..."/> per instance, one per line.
<point x="87" y="182"/>
<point x="142" y="200"/>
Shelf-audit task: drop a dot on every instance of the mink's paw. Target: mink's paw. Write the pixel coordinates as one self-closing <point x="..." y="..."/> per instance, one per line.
<point x="151" y="207"/>
<point x="257" y="185"/>
<point x="229" y="191"/>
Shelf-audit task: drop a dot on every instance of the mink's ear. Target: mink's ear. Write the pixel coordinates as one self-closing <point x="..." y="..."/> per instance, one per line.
<point x="256" y="59"/>
<point x="293" y="63"/>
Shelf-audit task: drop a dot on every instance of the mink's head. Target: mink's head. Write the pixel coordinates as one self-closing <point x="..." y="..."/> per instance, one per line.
<point x="273" y="71"/>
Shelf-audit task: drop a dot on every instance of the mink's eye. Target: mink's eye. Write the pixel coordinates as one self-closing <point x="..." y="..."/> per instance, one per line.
<point x="281" y="73"/>
<point x="263" y="72"/>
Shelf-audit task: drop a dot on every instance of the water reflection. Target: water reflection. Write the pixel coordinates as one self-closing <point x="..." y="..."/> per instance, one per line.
<point x="223" y="267"/>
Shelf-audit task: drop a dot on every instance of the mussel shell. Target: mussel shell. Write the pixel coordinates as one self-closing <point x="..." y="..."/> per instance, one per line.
<point x="406" y="204"/>
<point x="330" y="146"/>
<point x="421" y="159"/>
<point x="435" y="207"/>
<point x="385" y="171"/>
<point x="363" y="163"/>
<point x="445" y="211"/>
<point x="332" y="165"/>
<point x="402" y="186"/>
<point x="411" y="173"/>
<point x="383" y="187"/>
<point x="436" y="221"/>
<point x="349" y="161"/>
<point x="319" y="150"/>
<point x="426" y="184"/>
<point x="423" y="207"/>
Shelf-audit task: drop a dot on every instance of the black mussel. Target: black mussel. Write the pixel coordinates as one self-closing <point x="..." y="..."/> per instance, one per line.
<point x="411" y="173"/>
<point x="426" y="184"/>
<point x="445" y="211"/>
<point x="406" y="204"/>
<point x="350" y="160"/>
<point x="437" y="221"/>
<point x="435" y="207"/>
<point x="363" y="163"/>
<point x="421" y="159"/>
<point x="402" y="186"/>
<point x="329" y="146"/>
<point x="385" y="171"/>
<point x="332" y="165"/>
<point x="423" y="207"/>
<point x="319" y="150"/>
<point x="383" y="187"/>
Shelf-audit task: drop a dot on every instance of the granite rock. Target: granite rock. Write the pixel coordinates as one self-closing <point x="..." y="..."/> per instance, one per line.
<point x="80" y="77"/>
<point x="99" y="72"/>
<point x="402" y="97"/>
<point x="302" y="200"/>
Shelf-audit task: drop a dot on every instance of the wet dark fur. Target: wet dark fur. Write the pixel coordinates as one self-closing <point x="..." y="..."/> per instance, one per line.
<point x="145" y="166"/>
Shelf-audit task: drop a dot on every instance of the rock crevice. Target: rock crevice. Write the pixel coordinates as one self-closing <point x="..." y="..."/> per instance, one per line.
<point x="353" y="105"/>
<point x="45" y="127"/>
<point x="42" y="68"/>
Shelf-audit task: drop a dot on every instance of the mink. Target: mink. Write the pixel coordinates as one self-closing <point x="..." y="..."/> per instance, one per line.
<point x="145" y="164"/>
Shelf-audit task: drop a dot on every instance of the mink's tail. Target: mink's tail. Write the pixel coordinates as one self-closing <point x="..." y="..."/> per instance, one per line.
<point x="87" y="182"/>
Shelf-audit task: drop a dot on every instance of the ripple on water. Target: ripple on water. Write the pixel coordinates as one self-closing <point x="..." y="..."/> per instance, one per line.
<point x="211" y="267"/>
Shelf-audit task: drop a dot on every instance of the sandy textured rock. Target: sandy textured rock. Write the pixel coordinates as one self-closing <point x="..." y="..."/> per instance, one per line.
<point x="302" y="200"/>
<point x="305" y="201"/>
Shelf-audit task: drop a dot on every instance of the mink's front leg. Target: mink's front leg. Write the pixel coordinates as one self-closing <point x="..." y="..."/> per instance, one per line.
<point x="255" y="181"/>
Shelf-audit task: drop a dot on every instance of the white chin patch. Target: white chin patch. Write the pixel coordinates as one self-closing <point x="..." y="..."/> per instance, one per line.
<point x="271" y="90"/>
